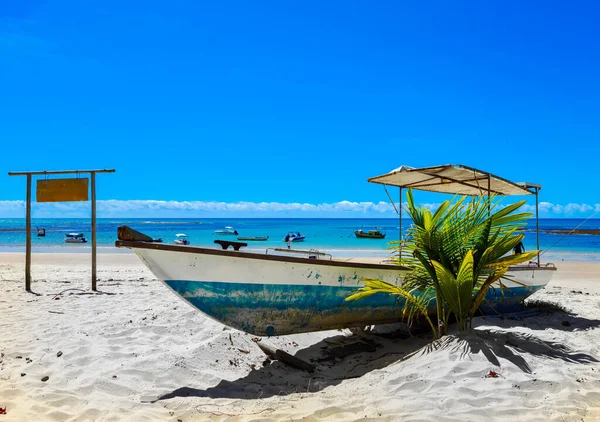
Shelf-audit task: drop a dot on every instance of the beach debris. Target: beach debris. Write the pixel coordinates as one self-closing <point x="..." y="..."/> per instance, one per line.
<point x="492" y="374"/>
<point x="57" y="298"/>
<point x="46" y="378"/>
<point x="114" y="377"/>
<point x="285" y="357"/>
<point x="230" y="339"/>
<point x="3" y="410"/>
<point x="256" y="339"/>
<point x="23" y="374"/>
<point x="244" y="351"/>
<point x="235" y="362"/>
<point x="56" y="312"/>
<point x="59" y="354"/>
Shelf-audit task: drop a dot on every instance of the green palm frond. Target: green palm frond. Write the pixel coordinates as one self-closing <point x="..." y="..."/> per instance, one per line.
<point x="413" y="303"/>
<point x="371" y="287"/>
<point x="457" y="252"/>
<point x="480" y="296"/>
<point x="506" y="213"/>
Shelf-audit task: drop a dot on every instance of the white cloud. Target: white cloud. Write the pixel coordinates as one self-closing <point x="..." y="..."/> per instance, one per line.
<point x="158" y="209"/>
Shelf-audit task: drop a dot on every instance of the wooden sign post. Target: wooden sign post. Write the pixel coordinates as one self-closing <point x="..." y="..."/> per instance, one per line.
<point x="59" y="190"/>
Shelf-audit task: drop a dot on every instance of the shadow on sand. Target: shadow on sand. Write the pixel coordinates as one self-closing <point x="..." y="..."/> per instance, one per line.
<point x="509" y="345"/>
<point x="542" y="320"/>
<point x="277" y="379"/>
<point x="81" y="292"/>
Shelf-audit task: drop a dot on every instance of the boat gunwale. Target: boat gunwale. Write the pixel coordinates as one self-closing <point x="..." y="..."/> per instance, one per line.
<point x="254" y="255"/>
<point x="281" y="258"/>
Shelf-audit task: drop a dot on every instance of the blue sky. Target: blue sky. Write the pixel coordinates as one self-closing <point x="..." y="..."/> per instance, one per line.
<point x="287" y="103"/>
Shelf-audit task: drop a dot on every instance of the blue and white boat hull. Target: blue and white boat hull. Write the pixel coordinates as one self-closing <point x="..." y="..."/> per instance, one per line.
<point x="276" y="295"/>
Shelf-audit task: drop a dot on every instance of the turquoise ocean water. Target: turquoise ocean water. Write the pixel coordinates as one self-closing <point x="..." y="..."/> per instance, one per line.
<point x="333" y="236"/>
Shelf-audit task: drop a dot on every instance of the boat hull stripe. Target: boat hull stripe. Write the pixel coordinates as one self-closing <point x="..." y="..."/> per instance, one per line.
<point x="278" y="309"/>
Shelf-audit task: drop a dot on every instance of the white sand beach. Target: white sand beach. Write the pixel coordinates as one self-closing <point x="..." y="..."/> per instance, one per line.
<point x="135" y="351"/>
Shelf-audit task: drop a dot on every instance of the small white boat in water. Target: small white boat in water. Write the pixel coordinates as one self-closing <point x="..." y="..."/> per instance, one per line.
<point x="181" y="239"/>
<point x="294" y="237"/>
<point x="253" y="238"/>
<point x="75" y="238"/>
<point x="229" y="231"/>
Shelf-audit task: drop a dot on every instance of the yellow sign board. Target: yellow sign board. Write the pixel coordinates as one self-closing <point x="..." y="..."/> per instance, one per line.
<point x="62" y="190"/>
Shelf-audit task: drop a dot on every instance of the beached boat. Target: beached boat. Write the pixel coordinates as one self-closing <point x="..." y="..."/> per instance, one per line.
<point x="41" y="232"/>
<point x="181" y="239"/>
<point x="370" y="234"/>
<point x="275" y="294"/>
<point x="294" y="237"/>
<point x="253" y="238"/>
<point x="228" y="231"/>
<point x="75" y="238"/>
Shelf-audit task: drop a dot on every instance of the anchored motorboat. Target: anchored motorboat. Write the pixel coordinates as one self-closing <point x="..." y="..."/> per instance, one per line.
<point x="294" y="237"/>
<point x="75" y="238"/>
<point x="370" y="234"/>
<point x="253" y="238"/>
<point x="228" y="230"/>
<point x="181" y="239"/>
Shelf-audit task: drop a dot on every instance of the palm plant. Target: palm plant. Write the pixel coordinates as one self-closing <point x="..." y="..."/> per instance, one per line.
<point x="456" y="252"/>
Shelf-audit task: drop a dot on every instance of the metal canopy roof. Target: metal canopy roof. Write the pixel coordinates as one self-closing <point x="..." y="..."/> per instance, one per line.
<point x="453" y="179"/>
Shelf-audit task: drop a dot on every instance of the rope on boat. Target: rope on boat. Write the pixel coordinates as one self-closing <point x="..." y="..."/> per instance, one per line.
<point x="565" y="235"/>
<point x="391" y="200"/>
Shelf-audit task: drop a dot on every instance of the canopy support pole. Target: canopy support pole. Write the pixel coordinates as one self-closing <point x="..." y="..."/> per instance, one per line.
<point x="489" y="194"/>
<point x="400" y="222"/>
<point x="93" y="180"/>
<point x="537" y="225"/>
<point x="28" y="237"/>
